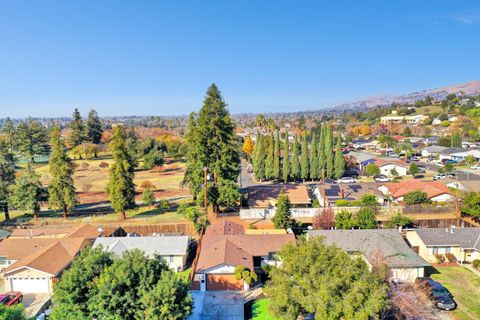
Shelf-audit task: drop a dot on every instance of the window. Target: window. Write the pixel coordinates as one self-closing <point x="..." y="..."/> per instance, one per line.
<point x="441" y="250"/>
<point x="171" y="258"/>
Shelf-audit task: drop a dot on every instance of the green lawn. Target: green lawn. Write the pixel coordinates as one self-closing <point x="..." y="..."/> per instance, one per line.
<point x="465" y="288"/>
<point x="260" y="310"/>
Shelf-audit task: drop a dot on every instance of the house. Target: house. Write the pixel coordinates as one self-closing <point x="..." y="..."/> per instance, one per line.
<point x="172" y="249"/>
<point x="412" y="119"/>
<point x="362" y="144"/>
<point x="461" y="156"/>
<point x="226" y="246"/>
<point x="436" y="191"/>
<point x="462" y="185"/>
<point x="267" y="196"/>
<point x="463" y="243"/>
<point x="328" y="194"/>
<point x="83" y="231"/>
<point x="386" y="165"/>
<point x="373" y="245"/>
<point x="432" y="151"/>
<point x="362" y="159"/>
<point x="448" y="152"/>
<point x="34" y="265"/>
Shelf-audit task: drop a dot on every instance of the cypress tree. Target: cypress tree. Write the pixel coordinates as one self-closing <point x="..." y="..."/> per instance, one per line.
<point x="121" y="188"/>
<point x="456" y="139"/>
<point x="304" y="163"/>
<point x="314" y="157"/>
<point x="329" y="151"/>
<point x="259" y="157"/>
<point x="283" y="215"/>
<point x="212" y="144"/>
<point x="276" y="157"/>
<point x="286" y="160"/>
<point x="322" y="160"/>
<point x="339" y="159"/>
<point x="61" y="189"/>
<point x="296" y="170"/>
<point x="270" y="158"/>
<point x="77" y="126"/>
<point x="94" y="127"/>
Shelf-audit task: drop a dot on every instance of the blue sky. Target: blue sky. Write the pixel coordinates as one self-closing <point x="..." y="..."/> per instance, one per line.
<point x="158" y="57"/>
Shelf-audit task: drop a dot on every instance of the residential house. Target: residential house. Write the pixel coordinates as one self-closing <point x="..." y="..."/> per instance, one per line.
<point x="432" y="151"/>
<point x="387" y="165"/>
<point x="172" y="249"/>
<point x="362" y="159"/>
<point x="462" y="185"/>
<point x="34" y="265"/>
<point x="83" y="231"/>
<point x="436" y="191"/>
<point x="463" y="243"/>
<point x="328" y="194"/>
<point x="411" y="119"/>
<point x="266" y="196"/>
<point x="378" y="245"/>
<point x="461" y="156"/>
<point x="448" y="152"/>
<point x="226" y="246"/>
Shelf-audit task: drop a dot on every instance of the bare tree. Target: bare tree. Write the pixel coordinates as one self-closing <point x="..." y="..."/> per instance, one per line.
<point x="325" y="219"/>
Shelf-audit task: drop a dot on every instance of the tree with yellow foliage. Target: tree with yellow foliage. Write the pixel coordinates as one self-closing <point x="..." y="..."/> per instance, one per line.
<point x="248" y="145"/>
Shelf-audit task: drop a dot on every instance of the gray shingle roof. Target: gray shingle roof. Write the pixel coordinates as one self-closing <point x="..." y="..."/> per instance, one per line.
<point x="395" y="250"/>
<point x="448" y="151"/>
<point x="467" y="238"/>
<point x="167" y="245"/>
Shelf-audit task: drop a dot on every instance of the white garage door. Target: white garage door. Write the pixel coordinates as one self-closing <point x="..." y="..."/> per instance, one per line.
<point x="29" y="285"/>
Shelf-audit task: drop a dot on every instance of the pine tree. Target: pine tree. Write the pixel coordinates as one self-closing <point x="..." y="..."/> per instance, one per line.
<point x="296" y="170"/>
<point x="7" y="176"/>
<point x="10" y="134"/>
<point x="456" y="140"/>
<point x="77" y="126"/>
<point x="28" y="192"/>
<point x="61" y="189"/>
<point x="276" y="157"/>
<point x="259" y="157"/>
<point x="32" y="139"/>
<point x="286" y="160"/>
<point x="121" y="188"/>
<point x="270" y="158"/>
<point x="339" y="159"/>
<point x="314" y="168"/>
<point x="283" y="215"/>
<point x="322" y="159"/>
<point x="304" y="163"/>
<point x="248" y="146"/>
<point x="329" y="151"/>
<point x="212" y="144"/>
<point x="94" y="127"/>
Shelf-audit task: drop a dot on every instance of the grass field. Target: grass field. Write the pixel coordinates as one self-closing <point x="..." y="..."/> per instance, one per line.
<point x="260" y="310"/>
<point x="465" y="288"/>
<point x="426" y="109"/>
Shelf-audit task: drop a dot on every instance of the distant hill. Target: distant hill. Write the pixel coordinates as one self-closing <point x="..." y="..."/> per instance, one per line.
<point x="469" y="89"/>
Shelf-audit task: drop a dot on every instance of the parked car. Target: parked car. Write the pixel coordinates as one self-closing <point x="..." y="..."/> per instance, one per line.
<point x="413" y="158"/>
<point x="381" y="178"/>
<point x="346" y="180"/>
<point x="475" y="167"/>
<point x="11" y="298"/>
<point x="439" y="294"/>
<point x="445" y="161"/>
<point x="439" y="176"/>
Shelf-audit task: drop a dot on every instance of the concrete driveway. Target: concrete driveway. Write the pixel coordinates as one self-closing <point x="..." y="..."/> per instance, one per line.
<point x="218" y="305"/>
<point x="35" y="303"/>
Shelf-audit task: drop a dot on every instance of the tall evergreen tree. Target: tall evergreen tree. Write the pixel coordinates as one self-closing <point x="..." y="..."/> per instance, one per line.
<point x="456" y="140"/>
<point x="339" y="158"/>
<point x="78" y="134"/>
<point x="9" y="132"/>
<point x="7" y="176"/>
<point x="304" y="163"/>
<point x="270" y="157"/>
<point x="314" y="169"/>
<point x="121" y="188"/>
<point x="212" y="144"/>
<point x="94" y="127"/>
<point x="296" y="170"/>
<point x="61" y="189"/>
<point x="286" y="170"/>
<point x="28" y="192"/>
<point x="276" y="157"/>
<point x="322" y="159"/>
<point x="283" y="214"/>
<point x="259" y="157"/>
<point x="32" y="139"/>
<point x="329" y="150"/>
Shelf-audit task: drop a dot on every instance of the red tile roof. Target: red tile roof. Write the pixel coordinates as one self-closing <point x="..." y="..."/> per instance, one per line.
<point x="432" y="188"/>
<point x="383" y="161"/>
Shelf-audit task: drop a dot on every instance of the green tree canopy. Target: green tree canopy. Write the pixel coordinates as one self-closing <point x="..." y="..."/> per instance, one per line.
<point x="283" y="215"/>
<point x="286" y="170"/>
<point x="7" y="176"/>
<point x="456" y="139"/>
<point x="28" y="192"/>
<point x="296" y="169"/>
<point x="94" y="127"/>
<point x="79" y="133"/>
<point x="324" y="280"/>
<point x="372" y="169"/>
<point x="15" y="312"/>
<point x="345" y="220"/>
<point x="413" y="169"/>
<point x="32" y="140"/>
<point x="61" y="189"/>
<point x="471" y="204"/>
<point x="416" y="197"/>
<point x="365" y="218"/>
<point x="339" y="165"/>
<point x="304" y="163"/>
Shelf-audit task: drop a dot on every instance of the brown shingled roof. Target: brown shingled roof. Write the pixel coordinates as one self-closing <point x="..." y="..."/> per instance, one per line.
<point x="264" y="196"/>
<point x="82" y="231"/>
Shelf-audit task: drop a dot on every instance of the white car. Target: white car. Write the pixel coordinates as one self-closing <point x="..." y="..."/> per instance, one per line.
<point x="346" y="180"/>
<point x="475" y="167"/>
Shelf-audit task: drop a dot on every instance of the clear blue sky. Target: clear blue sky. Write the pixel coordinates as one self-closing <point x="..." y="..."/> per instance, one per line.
<point x="158" y="57"/>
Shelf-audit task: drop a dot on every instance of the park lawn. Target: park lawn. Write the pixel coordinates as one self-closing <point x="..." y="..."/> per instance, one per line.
<point x="431" y="109"/>
<point x="260" y="310"/>
<point x="465" y="288"/>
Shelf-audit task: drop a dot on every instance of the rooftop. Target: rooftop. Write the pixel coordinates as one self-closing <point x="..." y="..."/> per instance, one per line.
<point x="265" y="196"/>
<point x="166" y="245"/>
<point x="432" y="188"/>
<point x="467" y="238"/>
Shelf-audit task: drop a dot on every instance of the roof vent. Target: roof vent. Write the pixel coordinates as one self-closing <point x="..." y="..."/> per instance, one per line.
<point x="452" y="231"/>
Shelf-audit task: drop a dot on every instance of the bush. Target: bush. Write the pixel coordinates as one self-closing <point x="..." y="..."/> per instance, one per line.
<point x="398" y="220"/>
<point x="152" y="159"/>
<point x="366" y="218"/>
<point x="416" y="197"/>
<point x="148" y="197"/>
<point x="163" y="205"/>
<point x="450" y="257"/>
<point x="476" y="264"/>
<point x="342" y="203"/>
<point x="103" y="165"/>
<point x="372" y="169"/>
<point x="147" y="185"/>
<point x="368" y="200"/>
<point x="439" y="258"/>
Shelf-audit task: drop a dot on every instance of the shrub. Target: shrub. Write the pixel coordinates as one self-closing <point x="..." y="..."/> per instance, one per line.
<point x="147" y="185"/>
<point x="476" y="264"/>
<point x="342" y="203"/>
<point x="163" y="205"/>
<point x="368" y="200"/>
<point x="148" y="197"/>
<point x="103" y="165"/>
<point x="344" y="220"/>
<point x="366" y="218"/>
<point x="324" y="220"/>
<point x="450" y="257"/>
<point x="372" y="169"/>
<point x="439" y="258"/>
<point x="416" y="197"/>
<point x="398" y="220"/>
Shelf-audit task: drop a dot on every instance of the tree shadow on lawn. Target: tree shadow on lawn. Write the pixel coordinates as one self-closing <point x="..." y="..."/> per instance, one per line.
<point x="431" y="270"/>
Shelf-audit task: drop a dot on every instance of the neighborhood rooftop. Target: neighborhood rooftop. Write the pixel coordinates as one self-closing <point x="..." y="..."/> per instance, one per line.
<point x="467" y="238"/>
<point x="161" y="245"/>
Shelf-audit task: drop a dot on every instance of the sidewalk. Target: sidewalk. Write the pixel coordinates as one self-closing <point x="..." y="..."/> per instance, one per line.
<point x="469" y="266"/>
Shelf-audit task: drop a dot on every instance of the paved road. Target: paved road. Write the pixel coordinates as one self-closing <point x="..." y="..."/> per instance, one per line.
<point x="462" y="175"/>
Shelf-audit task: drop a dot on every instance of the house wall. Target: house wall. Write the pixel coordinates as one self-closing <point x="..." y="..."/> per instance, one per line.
<point x="386" y="170"/>
<point x="443" y="198"/>
<point x="175" y="262"/>
<point x="407" y="274"/>
<point x="27" y="273"/>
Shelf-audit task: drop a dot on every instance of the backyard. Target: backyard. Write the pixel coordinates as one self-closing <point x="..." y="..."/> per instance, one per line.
<point x="464" y="285"/>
